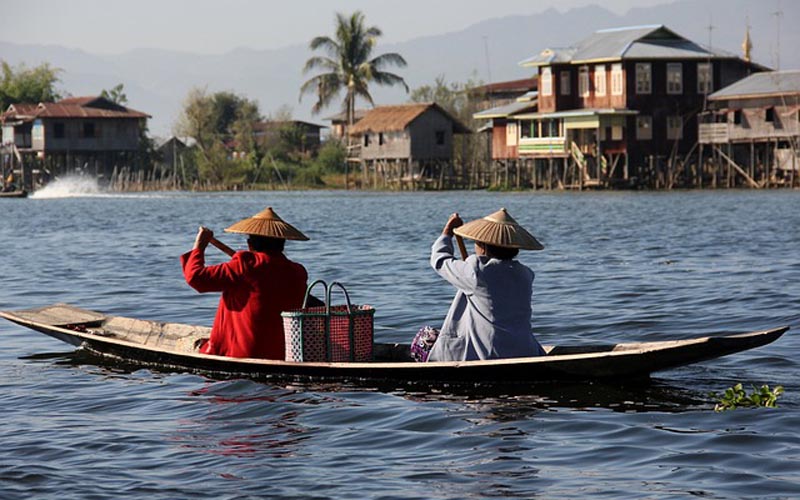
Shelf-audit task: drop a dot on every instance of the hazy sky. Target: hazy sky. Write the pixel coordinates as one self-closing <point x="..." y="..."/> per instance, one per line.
<point x="205" y="26"/>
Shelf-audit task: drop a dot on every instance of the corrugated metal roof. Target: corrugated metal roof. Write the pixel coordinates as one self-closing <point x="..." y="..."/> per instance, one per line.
<point x="550" y="56"/>
<point x="80" y="101"/>
<point x="573" y="113"/>
<point x="59" y="110"/>
<point x="23" y="108"/>
<point x="24" y="112"/>
<point x="650" y="42"/>
<point x="398" y="117"/>
<point x="74" y="107"/>
<point x="521" y="85"/>
<point x="504" y="111"/>
<point x="636" y="42"/>
<point x="769" y="83"/>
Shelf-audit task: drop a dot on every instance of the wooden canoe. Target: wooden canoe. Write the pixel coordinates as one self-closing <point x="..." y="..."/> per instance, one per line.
<point x="171" y="346"/>
<point x="14" y="194"/>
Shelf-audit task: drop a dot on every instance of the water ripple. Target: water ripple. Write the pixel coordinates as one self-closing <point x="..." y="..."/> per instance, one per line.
<point x="619" y="267"/>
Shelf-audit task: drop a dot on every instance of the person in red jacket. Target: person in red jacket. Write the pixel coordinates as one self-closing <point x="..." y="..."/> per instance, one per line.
<point x="256" y="285"/>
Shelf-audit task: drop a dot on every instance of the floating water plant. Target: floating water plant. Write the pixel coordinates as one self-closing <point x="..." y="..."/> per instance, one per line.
<point x="736" y="397"/>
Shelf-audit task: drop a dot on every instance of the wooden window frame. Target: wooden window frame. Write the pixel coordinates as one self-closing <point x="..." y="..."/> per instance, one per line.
<point x="600" y="80"/>
<point x="705" y="85"/>
<point x="674" y="87"/>
<point x="617" y="79"/>
<point x="674" y="132"/>
<point x="584" y="82"/>
<point x="565" y="82"/>
<point x="644" y="78"/>
<point x="547" y="81"/>
<point x="644" y="128"/>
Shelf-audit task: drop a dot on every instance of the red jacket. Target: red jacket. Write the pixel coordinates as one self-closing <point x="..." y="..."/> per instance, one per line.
<point x="256" y="287"/>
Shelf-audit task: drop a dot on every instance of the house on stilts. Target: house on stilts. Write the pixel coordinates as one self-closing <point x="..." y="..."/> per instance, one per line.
<point x="617" y="109"/>
<point x="90" y="135"/>
<point x="753" y="129"/>
<point x="406" y="146"/>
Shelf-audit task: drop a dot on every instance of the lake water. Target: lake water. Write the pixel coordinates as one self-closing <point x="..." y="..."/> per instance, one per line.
<point x="617" y="267"/>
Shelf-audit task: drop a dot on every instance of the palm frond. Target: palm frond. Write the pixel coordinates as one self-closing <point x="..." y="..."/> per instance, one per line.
<point x="389" y="79"/>
<point x="389" y="59"/>
<point x="322" y="63"/>
<point x="325" y="43"/>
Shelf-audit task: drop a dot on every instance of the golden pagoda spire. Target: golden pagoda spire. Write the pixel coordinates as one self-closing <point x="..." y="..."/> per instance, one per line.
<point x="747" y="45"/>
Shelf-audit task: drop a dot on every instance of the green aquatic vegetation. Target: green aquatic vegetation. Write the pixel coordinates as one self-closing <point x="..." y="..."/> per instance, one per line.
<point x="736" y="397"/>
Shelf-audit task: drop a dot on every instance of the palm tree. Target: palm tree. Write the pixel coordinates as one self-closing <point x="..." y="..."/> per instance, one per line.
<point x="348" y="65"/>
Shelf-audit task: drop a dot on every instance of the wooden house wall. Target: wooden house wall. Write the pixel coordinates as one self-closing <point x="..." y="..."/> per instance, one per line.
<point x="547" y="103"/>
<point x="658" y="100"/>
<point x="573" y="100"/>
<point x="109" y="135"/>
<point x="20" y="135"/>
<point x="501" y="149"/>
<point x="423" y="136"/>
<point x="754" y="125"/>
<point x="396" y="145"/>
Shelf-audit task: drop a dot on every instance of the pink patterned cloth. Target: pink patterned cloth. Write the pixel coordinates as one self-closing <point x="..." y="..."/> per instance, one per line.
<point x="423" y="343"/>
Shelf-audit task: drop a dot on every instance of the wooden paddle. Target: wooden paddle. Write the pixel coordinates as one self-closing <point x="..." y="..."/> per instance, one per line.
<point x="461" y="247"/>
<point x="311" y="301"/>
<point x="222" y="246"/>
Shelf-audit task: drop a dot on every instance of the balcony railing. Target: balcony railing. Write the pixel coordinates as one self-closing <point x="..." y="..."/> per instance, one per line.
<point x="712" y="133"/>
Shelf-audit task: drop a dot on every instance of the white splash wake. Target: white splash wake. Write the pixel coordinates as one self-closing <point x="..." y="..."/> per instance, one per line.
<point x="72" y="186"/>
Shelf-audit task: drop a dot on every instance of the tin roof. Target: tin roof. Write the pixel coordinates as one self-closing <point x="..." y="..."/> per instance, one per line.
<point x="73" y="107"/>
<point x="769" y="83"/>
<point x="504" y="111"/>
<point x="550" y="56"/>
<point x="521" y="86"/>
<point x="575" y="113"/>
<point x="635" y="42"/>
<point x="398" y="117"/>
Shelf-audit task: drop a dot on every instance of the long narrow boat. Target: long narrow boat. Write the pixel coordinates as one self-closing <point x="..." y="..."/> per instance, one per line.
<point x="172" y="346"/>
<point x="14" y="194"/>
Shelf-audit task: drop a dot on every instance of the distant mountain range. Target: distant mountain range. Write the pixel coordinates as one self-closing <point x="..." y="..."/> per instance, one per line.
<point x="157" y="81"/>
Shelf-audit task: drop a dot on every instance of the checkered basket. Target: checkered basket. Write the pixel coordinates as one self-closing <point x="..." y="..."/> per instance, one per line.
<point x="329" y="333"/>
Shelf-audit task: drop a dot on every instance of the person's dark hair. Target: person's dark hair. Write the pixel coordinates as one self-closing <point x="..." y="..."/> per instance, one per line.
<point x="265" y="244"/>
<point x="502" y="253"/>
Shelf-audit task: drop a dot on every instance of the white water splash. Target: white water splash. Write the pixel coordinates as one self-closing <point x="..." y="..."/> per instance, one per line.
<point x="69" y="187"/>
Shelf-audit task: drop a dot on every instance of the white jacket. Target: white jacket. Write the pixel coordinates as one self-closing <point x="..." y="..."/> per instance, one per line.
<point x="490" y="316"/>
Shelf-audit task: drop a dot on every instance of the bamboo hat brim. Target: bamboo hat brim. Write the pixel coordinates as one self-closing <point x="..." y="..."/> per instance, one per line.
<point x="267" y="223"/>
<point x="501" y="230"/>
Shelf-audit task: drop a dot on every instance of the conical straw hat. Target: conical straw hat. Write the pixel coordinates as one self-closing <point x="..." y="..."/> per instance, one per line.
<point x="501" y="230"/>
<point x="267" y="223"/>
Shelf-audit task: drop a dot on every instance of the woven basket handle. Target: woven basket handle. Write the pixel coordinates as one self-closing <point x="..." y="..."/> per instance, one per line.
<point x="327" y="293"/>
<point x="328" y="296"/>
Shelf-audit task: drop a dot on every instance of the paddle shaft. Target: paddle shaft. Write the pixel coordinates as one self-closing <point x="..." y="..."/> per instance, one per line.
<point x="312" y="301"/>
<point x="461" y="247"/>
<point x="222" y="246"/>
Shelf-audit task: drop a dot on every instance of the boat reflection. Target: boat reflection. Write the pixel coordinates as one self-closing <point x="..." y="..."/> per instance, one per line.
<point x="658" y="395"/>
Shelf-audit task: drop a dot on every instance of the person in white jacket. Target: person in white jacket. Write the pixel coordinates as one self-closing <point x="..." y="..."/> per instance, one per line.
<point x="490" y="316"/>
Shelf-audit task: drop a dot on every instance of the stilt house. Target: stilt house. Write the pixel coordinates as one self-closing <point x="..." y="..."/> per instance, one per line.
<point x="753" y="127"/>
<point x="91" y="134"/>
<point x="620" y="107"/>
<point x="407" y="145"/>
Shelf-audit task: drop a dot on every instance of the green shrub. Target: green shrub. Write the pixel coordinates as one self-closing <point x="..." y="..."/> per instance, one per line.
<point x="331" y="157"/>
